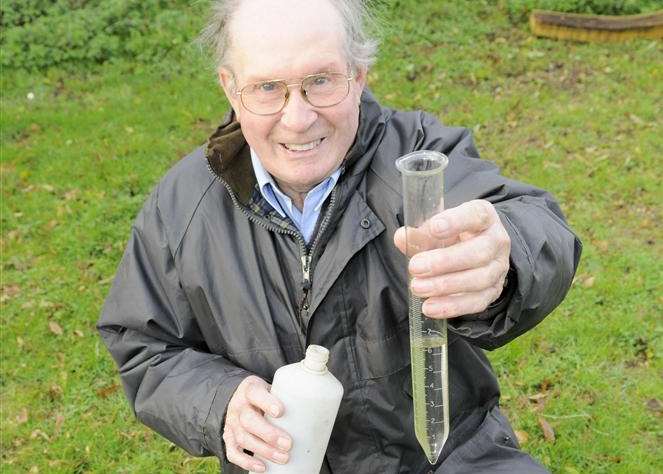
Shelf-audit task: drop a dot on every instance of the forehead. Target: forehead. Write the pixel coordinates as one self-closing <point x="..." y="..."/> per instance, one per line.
<point x="285" y="39"/>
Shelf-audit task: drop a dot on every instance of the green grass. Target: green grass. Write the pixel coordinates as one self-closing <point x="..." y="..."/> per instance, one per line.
<point x="580" y="120"/>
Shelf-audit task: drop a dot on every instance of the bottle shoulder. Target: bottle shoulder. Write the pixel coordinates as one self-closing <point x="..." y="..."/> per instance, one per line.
<point x="294" y="378"/>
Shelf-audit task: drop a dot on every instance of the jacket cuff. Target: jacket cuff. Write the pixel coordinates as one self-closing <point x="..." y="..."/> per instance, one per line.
<point x="489" y="327"/>
<point x="213" y="428"/>
<point x="483" y="324"/>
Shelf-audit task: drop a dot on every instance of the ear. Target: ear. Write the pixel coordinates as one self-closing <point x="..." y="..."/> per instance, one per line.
<point x="227" y="82"/>
<point x="361" y="74"/>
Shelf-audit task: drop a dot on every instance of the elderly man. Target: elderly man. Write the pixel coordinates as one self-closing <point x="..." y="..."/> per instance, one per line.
<point x="283" y="231"/>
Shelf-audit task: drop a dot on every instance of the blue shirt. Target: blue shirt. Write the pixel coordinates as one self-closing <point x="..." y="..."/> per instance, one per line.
<point x="306" y="219"/>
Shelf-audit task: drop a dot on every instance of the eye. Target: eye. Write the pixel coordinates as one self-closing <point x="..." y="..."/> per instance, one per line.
<point x="321" y="80"/>
<point x="267" y="87"/>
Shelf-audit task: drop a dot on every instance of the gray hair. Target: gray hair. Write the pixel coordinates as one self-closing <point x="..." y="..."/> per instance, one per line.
<point x="360" y="48"/>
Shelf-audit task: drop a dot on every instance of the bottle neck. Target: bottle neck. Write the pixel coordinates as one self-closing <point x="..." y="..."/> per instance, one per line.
<point x="316" y="359"/>
<point x="319" y="367"/>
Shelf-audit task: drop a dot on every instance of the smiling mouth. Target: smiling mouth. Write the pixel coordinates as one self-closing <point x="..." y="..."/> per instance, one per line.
<point x="302" y="146"/>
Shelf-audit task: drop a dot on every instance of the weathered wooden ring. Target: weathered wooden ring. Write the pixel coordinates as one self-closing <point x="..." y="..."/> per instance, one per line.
<point x="596" y="28"/>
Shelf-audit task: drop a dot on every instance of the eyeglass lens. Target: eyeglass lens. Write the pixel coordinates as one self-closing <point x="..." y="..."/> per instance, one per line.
<point x="320" y="90"/>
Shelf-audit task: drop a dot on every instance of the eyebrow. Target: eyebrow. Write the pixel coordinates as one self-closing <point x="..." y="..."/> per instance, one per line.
<point x="329" y="67"/>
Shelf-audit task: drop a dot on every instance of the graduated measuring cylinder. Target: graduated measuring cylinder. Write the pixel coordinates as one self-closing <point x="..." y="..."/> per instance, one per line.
<point x="423" y="176"/>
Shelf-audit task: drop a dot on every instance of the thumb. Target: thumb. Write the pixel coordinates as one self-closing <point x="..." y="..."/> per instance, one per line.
<point x="399" y="239"/>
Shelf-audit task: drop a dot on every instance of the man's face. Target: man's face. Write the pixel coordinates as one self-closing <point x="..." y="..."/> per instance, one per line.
<point x="302" y="144"/>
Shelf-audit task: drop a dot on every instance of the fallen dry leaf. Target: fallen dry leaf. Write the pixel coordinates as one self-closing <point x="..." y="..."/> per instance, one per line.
<point x="655" y="405"/>
<point x="105" y="392"/>
<point x="59" y="421"/>
<point x="72" y="194"/>
<point x="522" y="436"/>
<point x="545" y="383"/>
<point x="548" y="432"/>
<point x="602" y="245"/>
<point x="55" y="328"/>
<point x="22" y="416"/>
<point x="78" y="332"/>
<point x="589" y="282"/>
<point x="10" y="291"/>
<point x="39" y="433"/>
<point x="537" y="397"/>
<point x="55" y="392"/>
<point x="21" y="264"/>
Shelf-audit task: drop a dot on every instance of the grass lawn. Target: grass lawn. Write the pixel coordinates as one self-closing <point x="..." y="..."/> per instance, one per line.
<point x="82" y="152"/>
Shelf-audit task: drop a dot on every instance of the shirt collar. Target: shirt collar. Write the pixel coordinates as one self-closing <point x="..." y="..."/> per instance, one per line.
<point x="268" y="186"/>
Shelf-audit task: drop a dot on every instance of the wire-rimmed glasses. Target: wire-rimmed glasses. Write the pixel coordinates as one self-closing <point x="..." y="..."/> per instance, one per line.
<point x="320" y="90"/>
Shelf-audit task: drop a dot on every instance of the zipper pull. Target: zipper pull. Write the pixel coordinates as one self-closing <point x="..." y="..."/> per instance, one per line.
<point x="306" y="262"/>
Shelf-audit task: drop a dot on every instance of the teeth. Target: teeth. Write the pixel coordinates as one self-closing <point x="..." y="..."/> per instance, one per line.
<point x="302" y="146"/>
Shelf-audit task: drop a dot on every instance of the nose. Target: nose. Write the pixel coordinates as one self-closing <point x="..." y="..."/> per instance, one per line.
<point x="298" y="115"/>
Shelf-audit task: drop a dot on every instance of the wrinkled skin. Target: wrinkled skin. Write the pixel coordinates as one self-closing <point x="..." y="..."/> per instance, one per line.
<point x="466" y="258"/>
<point x="246" y="427"/>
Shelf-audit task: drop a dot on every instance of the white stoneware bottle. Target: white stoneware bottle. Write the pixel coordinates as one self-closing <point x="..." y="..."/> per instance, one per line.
<point x="311" y="396"/>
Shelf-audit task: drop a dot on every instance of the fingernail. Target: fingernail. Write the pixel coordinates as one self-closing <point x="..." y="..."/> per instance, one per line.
<point x="258" y="468"/>
<point x="419" y="265"/>
<point x="439" y="310"/>
<point x="284" y="443"/>
<point x="280" y="458"/>
<point x="274" y="410"/>
<point x="421" y="286"/>
<point x="441" y="226"/>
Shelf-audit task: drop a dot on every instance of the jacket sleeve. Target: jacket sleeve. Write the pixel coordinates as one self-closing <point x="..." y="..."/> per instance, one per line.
<point x="172" y="383"/>
<point x="544" y="250"/>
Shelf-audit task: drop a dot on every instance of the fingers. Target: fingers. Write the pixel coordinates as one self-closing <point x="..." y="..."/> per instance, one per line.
<point x="447" y="227"/>
<point x="474" y="253"/>
<point x="459" y="259"/>
<point x="473" y="280"/>
<point x="236" y="455"/>
<point x="411" y="240"/>
<point x="259" y="396"/>
<point x="256" y="424"/>
<point x="246" y="428"/>
<point x="248" y="441"/>
<point x="473" y="217"/>
<point x="455" y="305"/>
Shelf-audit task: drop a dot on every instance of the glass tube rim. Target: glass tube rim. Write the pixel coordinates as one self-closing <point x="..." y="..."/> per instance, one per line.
<point x="432" y="155"/>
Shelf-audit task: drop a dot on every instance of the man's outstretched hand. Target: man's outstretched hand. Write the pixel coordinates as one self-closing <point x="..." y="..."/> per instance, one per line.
<point x="460" y="258"/>
<point x="247" y="429"/>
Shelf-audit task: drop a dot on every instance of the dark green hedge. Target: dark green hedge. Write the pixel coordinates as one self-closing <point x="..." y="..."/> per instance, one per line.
<point x="519" y="9"/>
<point x="37" y="34"/>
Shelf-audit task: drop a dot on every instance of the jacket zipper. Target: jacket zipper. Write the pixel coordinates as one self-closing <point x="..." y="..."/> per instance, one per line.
<point x="305" y="256"/>
<point x="306" y="262"/>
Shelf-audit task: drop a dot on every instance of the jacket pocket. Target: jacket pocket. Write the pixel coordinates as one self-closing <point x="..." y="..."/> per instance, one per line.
<point x="493" y="440"/>
<point x="380" y="358"/>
